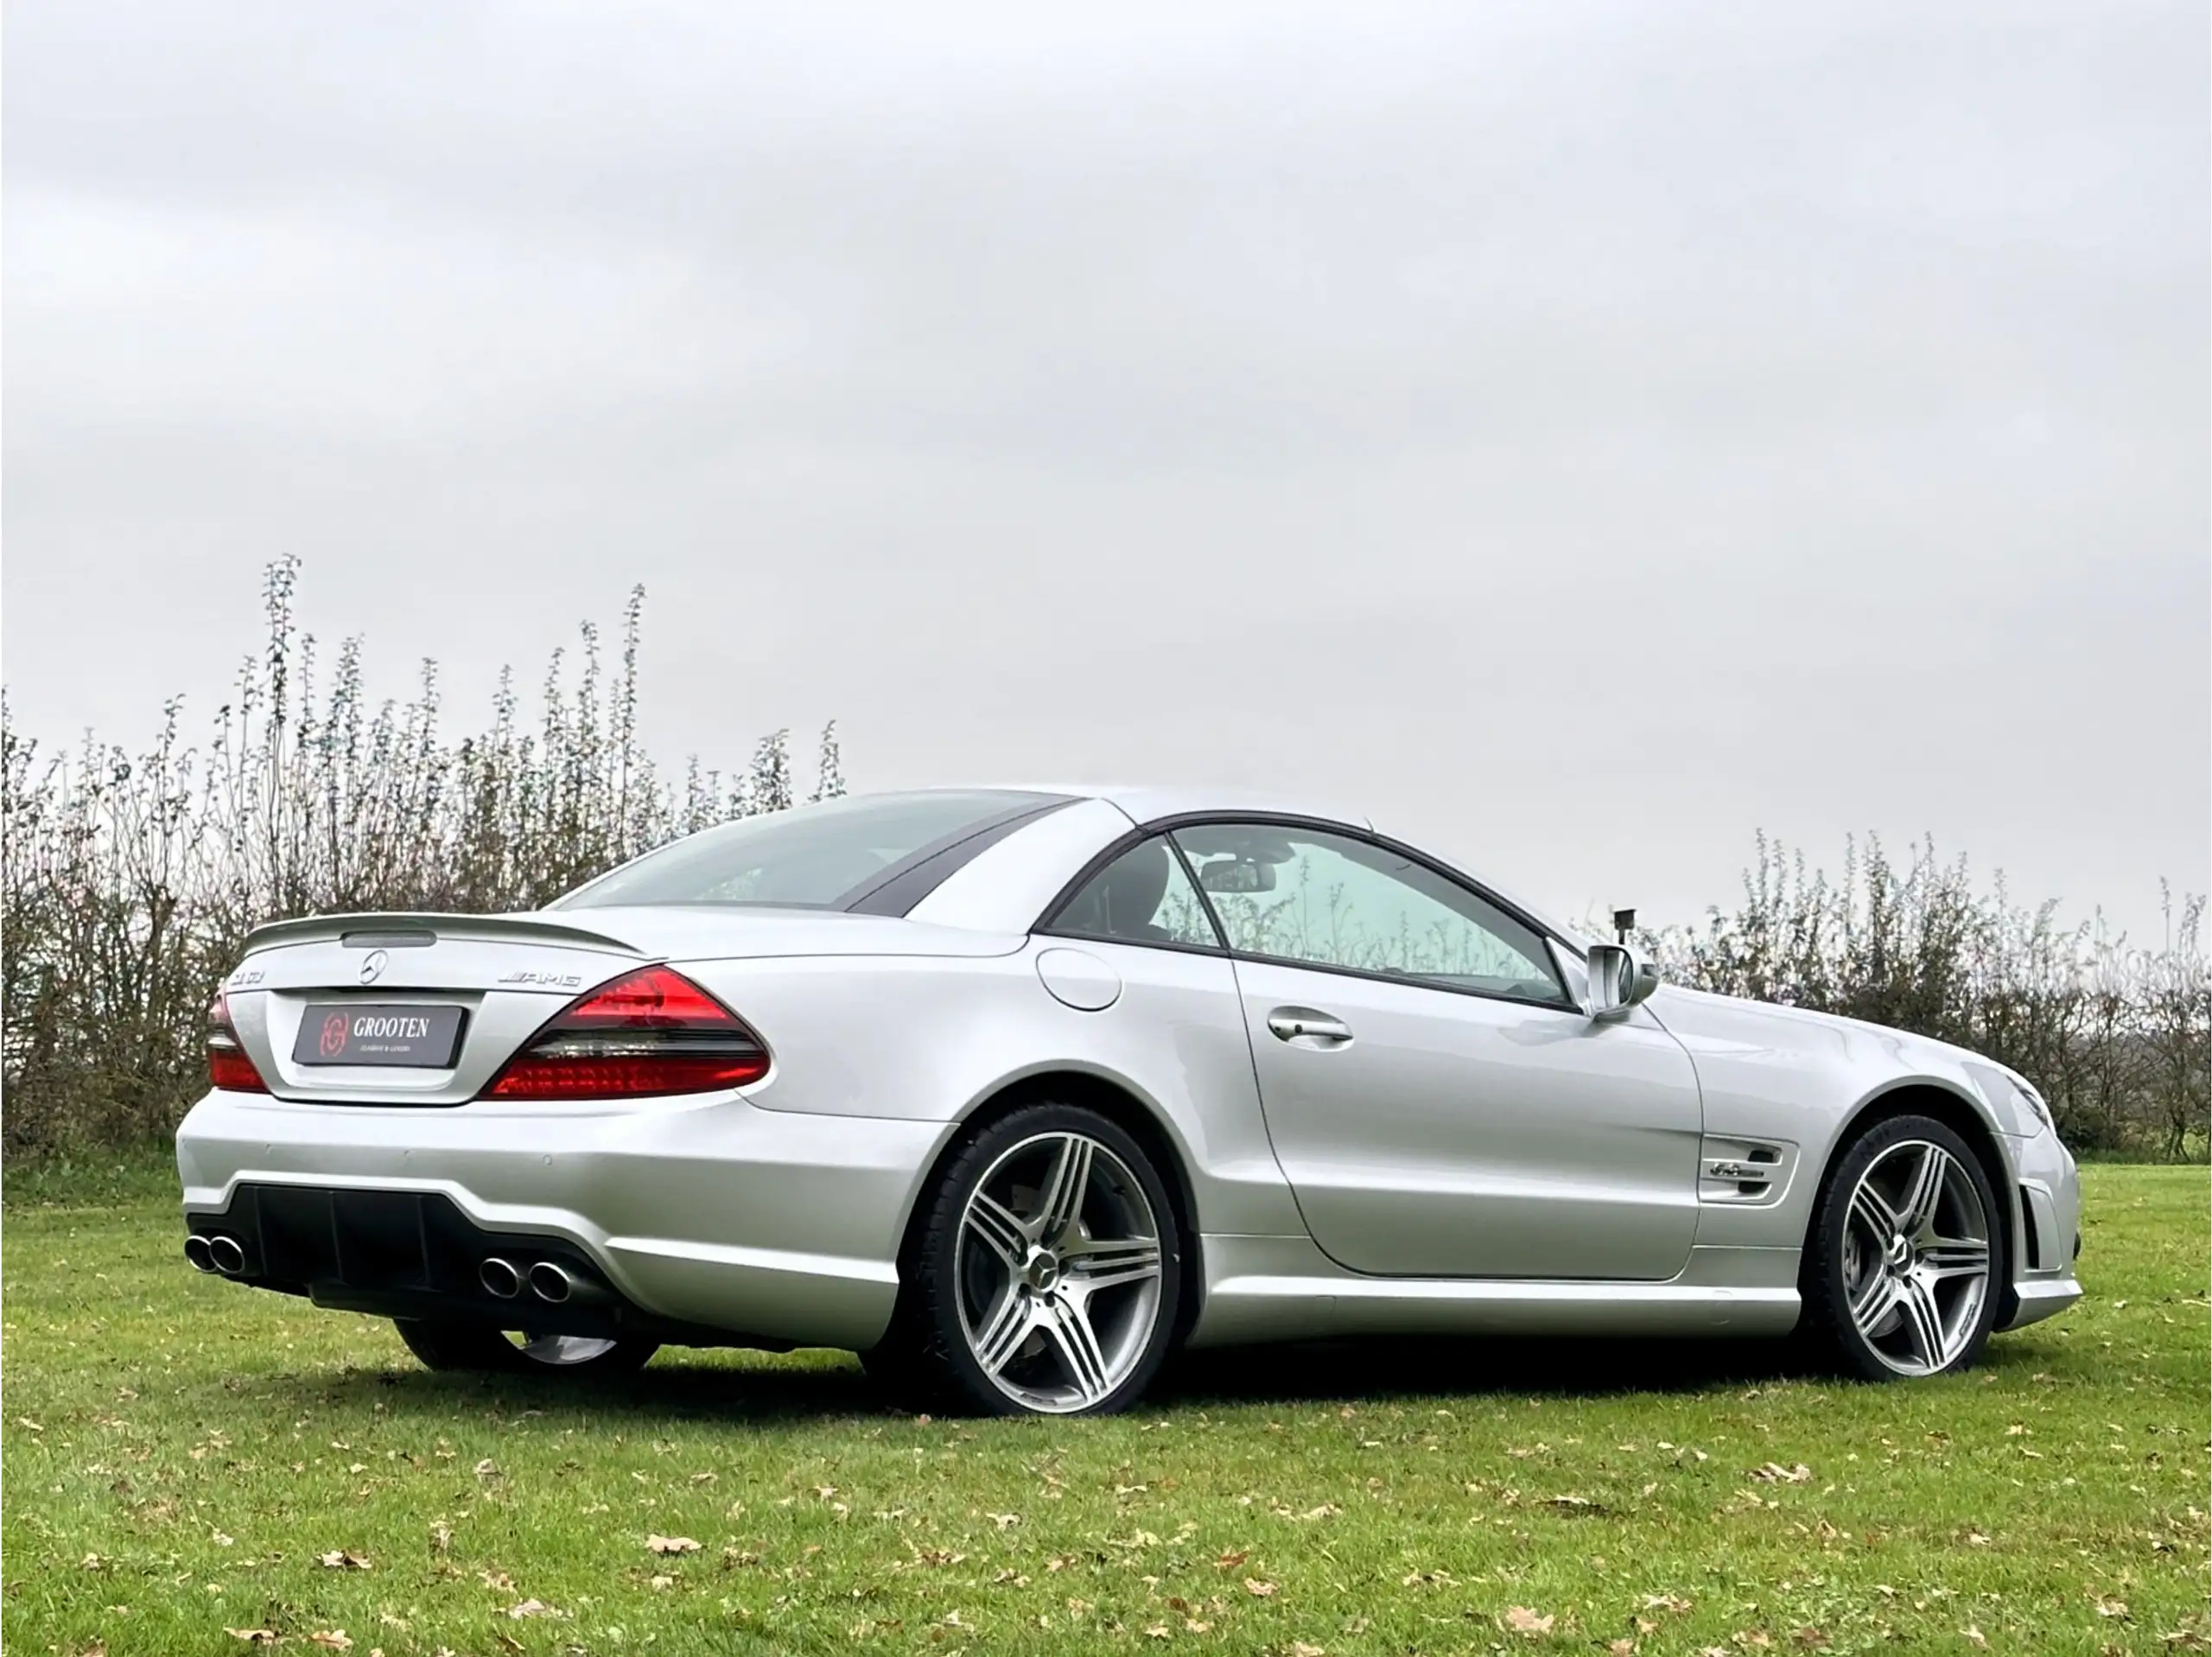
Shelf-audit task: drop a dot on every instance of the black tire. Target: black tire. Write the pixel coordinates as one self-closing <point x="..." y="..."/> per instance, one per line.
<point x="926" y="1361"/>
<point x="1837" y="1259"/>
<point x="467" y="1346"/>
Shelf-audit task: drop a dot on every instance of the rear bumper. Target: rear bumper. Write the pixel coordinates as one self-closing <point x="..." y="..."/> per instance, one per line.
<point x="771" y="1227"/>
<point x="414" y="1254"/>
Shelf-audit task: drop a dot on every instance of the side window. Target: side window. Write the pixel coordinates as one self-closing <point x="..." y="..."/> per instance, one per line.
<point x="1142" y="896"/>
<point x="1304" y="895"/>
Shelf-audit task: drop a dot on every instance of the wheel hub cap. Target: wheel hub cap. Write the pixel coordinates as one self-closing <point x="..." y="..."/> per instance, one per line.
<point x="1900" y="1253"/>
<point x="1043" y="1273"/>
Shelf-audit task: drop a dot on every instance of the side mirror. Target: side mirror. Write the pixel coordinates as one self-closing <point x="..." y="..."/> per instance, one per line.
<point x="1620" y="978"/>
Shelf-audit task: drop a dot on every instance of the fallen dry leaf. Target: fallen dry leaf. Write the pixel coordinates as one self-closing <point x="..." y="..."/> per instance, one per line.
<point x="1259" y="1589"/>
<point x="1620" y="1648"/>
<point x="1665" y="1603"/>
<point x="1230" y="1561"/>
<point x="335" y="1639"/>
<point x="499" y="1580"/>
<point x="254" y="1636"/>
<point x="341" y="1559"/>
<point x="1520" y="1620"/>
<point x="1299" y="1648"/>
<point x="2116" y="1608"/>
<point x="671" y="1545"/>
<point x="1775" y="1473"/>
<point x="1975" y="1637"/>
<point x="531" y="1608"/>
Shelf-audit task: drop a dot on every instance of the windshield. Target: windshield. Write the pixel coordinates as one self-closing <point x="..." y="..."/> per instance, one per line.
<point x="825" y="856"/>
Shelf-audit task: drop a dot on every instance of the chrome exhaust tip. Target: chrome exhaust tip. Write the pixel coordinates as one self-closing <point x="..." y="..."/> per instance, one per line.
<point x="550" y="1282"/>
<point x="195" y="1250"/>
<point x="500" y="1280"/>
<point x="227" y="1255"/>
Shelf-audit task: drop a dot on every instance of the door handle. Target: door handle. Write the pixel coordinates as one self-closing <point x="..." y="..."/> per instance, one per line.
<point x="1307" y="1028"/>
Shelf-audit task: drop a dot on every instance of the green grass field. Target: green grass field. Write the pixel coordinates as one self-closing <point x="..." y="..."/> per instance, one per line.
<point x="184" y="1457"/>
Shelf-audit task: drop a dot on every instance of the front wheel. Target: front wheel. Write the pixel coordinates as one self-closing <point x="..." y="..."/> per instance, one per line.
<point x="1044" y="1275"/>
<point x="1906" y="1253"/>
<point x="478" y="1346"/>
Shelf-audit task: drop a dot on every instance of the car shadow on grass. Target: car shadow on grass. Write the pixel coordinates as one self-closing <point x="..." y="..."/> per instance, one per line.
<point x="1425" y="1367"/>
<point x="683" y="1385"/>
<point x="686" y="1384"/>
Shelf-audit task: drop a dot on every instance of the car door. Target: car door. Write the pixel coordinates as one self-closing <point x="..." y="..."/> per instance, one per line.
<point x="1438" y="1102"/>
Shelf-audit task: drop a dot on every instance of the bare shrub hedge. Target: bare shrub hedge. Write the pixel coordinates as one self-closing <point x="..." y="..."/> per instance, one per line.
<point x="132" y="878"/>
<point x="2117" y="1036"/>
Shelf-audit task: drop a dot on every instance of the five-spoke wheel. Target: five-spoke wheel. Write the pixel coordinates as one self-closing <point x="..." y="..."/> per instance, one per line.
<point x="1900" y="1268"/>
<point x="1042" y="1275"/>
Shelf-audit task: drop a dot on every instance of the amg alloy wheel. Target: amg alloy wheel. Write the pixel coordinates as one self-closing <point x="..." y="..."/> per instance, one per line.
<point x="1905" y="1252"/>
<point x="1046" y="1280"/>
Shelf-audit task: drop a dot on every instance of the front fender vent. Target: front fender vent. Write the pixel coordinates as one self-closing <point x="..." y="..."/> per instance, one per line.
<point x="1743" y="1173"/>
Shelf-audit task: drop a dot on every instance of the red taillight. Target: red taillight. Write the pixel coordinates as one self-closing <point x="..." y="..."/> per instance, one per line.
<point x="228" y="1068"/>
<point x="650" y="1031"/>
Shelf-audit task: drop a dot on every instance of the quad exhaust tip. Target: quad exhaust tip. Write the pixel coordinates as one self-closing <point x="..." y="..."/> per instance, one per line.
<point x="227" y="1255"/>
<point x="500" y="1280"/>
<point x="550" y="1282"/>
<point x="195" y="1250"/>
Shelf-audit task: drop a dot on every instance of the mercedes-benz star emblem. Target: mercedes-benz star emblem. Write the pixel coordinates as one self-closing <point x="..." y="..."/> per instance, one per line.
<point x="373" y="965"/>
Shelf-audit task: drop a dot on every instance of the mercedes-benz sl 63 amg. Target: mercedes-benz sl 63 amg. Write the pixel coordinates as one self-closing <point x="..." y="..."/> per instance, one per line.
<point x="1014" y="1091"/>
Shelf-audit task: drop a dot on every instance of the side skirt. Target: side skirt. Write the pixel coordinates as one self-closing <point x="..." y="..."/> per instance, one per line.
<point x="1284" y="1288"/>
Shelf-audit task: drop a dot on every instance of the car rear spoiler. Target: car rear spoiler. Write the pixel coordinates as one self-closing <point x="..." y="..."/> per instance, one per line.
<point x="401" y="929"/>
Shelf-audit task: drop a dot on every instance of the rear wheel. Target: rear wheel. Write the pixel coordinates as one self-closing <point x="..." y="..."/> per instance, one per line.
<point x="1906" y="1253"/>
<point x="1044" y="1275"/>
<point x="478" y="1346"/>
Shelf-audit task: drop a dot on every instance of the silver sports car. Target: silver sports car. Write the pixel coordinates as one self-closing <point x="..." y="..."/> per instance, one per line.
<point x="1014" y="1091"/>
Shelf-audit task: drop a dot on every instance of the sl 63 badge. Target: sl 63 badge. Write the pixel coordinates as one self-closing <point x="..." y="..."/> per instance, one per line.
<point x="550" y="980"/>
<point x="244" y="979"/>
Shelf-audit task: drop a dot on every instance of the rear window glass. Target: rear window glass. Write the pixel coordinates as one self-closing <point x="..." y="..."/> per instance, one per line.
<point x="825" y="856"/>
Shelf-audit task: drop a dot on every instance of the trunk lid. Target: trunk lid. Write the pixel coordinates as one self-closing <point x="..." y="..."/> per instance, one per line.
<point x="506" y="974"/>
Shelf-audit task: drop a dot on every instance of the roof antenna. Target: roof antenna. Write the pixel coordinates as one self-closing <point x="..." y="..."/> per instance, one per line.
<point x="1624" y="923"/>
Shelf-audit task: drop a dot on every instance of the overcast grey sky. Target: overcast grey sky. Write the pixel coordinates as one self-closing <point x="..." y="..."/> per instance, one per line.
<point x="1578" y="434"/>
